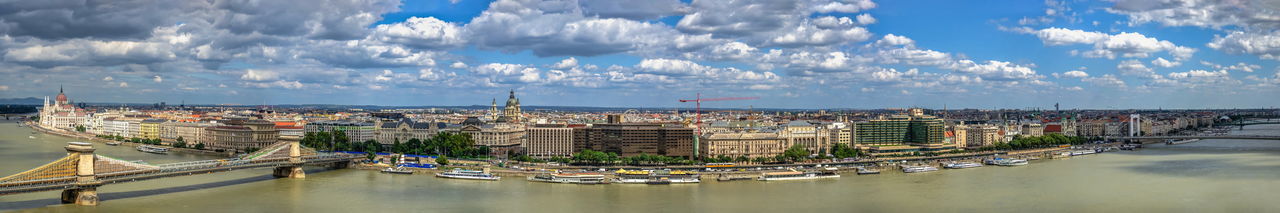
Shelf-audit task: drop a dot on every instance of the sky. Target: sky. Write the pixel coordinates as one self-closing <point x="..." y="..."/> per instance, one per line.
<point x="1112" y="54"/>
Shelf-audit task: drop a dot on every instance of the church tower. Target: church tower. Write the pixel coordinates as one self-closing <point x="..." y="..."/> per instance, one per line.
<point x="493" y="110"/>
<point x="512" y="111"/>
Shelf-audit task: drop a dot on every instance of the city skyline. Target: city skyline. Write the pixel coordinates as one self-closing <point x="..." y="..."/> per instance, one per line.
<point x="792" y="54"/>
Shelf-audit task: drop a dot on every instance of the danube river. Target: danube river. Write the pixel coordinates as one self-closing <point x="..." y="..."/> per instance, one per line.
<point x="1206" y="176"/>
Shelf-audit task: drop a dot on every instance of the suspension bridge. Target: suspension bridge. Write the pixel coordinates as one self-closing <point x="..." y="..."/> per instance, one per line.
<point x="81" y="172"/>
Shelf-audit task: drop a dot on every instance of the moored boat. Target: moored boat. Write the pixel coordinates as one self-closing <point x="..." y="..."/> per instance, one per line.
<point x="153" y="150"/>
<point x="468" y="175"/>
<point x="961" y="165"/>
<point x="113" y="143"/>
<point x="571" y="178"/>
<point x="1007" y="162"/>
<point x="397" y="170"/>
<point x="866" y="171"/>
<point x="632" y="176"/>
<point x="797" y="175"/>
<point x="918" y="169"/>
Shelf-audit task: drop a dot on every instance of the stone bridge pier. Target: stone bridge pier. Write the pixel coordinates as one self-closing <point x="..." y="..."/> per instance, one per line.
<point x="86" y="191"/>
<point x="295" y="159"/>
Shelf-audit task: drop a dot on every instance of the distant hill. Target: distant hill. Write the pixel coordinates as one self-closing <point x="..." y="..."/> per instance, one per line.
<point x="23" y="101"/>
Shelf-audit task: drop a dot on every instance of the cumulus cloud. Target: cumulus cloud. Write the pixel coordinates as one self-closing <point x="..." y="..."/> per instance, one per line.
<point x="566" y="63"/>
<point x="1134" y="68"/>
<point x="1130" y="45"/>
<point x="1161" y="62"/>
<point x="157" y="79"/>
<point x="429" y="32"/>
<point x="1072" y="74"/>
<point x="1107" y="80"/>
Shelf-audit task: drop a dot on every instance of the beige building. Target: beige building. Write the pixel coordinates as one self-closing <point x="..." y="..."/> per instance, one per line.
<point x="814" y="138"/>
<point x="501" y="138"/>
<point x="388" y="132"/>
<point x="548" y="140"/>
<point x="982" y="135"/>
<point x="241" y="135"/>
<point x="960" y="136"/>
<point x="752" y="145"/>
<point x="1033" y="130"/>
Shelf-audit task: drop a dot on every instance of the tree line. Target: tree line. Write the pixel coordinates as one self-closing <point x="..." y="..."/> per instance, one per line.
<point x="442" y="144"/>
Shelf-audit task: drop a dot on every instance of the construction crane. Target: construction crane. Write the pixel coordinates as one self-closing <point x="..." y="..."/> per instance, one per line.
<point x="698" y="116"/>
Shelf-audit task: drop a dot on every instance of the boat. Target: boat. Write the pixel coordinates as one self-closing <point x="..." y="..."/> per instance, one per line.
<point x="571" y="178"/>
<point x="1007" y="162"/>
<point x="918" y="169"/>
<point x="31" y="137"/>
<point x="397" y="170"/>
<point x="633" y="176"/>
<point x="685" y="177"/>
<point x="797" y="175"/>
<point x="152" y="149"/>
<point x="113" y="143"/>
<point x="961" y="165"/>
<point x="656" y="177"/>
<point x="866" y="171"/>
<point x="468" y="175"/>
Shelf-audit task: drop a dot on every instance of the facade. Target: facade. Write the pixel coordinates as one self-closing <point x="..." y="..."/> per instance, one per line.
<point x="631" y="139"/>
<point x="752" y="145"/>
<point x="388" y="132"/>
<point x="241" y="135"/>
<point x="815" y="138"/>
<point x="62" y="114"/>
<point x="191" y="133"/>
<point x="501" y="138"/>
<point x="150" y="128"/>
<point x="960" y="136"/>
<point x="1033" y="130"/>
<point x="982" y="135"/>
<point x="549" y="140"/>
<point x="1092" y="128"/>
<point x="915" y="129"/>
<point x="357" y="132"/>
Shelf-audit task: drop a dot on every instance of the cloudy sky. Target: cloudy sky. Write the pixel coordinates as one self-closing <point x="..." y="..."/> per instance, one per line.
<point x="795" y="54"/>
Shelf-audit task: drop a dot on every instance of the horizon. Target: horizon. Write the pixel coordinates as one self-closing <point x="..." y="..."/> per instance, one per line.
<point x="791" y="54"/>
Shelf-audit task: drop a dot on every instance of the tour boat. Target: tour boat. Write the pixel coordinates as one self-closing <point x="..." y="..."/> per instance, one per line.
<point x="31" y="137"/>
<point x="633" y="176"/>
<point x="468" y="175"/>
<point x="797" y="175"/>
<point x="572" y="178"/>
<point x="152" y="149"/>
<point x="397" y="170"/>
<point x="918" y="169"/>
<point x="961" y="165"/>
<point x="113" y="143"/>
<point x="684" y="177"/>
<point x="1007" y="162"/>
<point x="866" y="171"/>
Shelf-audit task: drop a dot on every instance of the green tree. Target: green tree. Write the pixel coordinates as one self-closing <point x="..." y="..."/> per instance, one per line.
<point x="200" y="146"/>
<point x="442" y="160"/>
<point x="80" y="128"/>
<point x="795" y="153"/>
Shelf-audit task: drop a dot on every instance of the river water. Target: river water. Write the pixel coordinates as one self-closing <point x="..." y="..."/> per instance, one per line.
<point x="1205" y="176"/>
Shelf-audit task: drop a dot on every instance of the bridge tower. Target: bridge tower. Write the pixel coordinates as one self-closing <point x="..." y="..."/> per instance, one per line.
<point x="295" y="159"/>
<point x="1135" y="125"/>
<point x="86" y="191"/>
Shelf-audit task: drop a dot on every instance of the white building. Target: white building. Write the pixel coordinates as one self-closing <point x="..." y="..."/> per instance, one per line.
<point x="62" y="114"/>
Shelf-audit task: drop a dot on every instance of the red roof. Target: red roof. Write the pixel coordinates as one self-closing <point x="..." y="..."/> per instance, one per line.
<point x="1053" y="128"/>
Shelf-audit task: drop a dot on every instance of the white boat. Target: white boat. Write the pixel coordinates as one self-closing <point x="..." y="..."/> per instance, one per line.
<point x="633" y="176"/>
<point x="113" y="143"/>
<point x="397" y="170"/>
<point x="961" y="165"/>
<point x="31" y="137"/>
<point x="571" y="178"/>
<point x="866" y="171"/>
<point x="1007" y="162"/>
<point x="797" y="175"/>
<point x="468" y="175"/>
<point x="918" y="169"/>
<point x="152" y="149"/>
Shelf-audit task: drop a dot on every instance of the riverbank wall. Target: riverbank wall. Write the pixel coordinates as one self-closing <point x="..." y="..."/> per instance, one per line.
<point x="91" y="138"/>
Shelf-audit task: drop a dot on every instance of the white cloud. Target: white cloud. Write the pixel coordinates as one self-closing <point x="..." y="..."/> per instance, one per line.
<point x="157" y="79"/>
<point x="1134" y="68"/>
<point x="458" y="65"/>
<point x="566" y="63"/>
<point x="895" y="40"/>
<point x="108" y="78"/>
<point x="419" y="32"/>
<point x="259" y="75"/>
<point x="1072" y="74"/>
<point x="1161" y="62"/>
<point x="866" y="19"/>
<point x="1131" y="45"/>
<point x="1107" y="80"/>
<point x="1264" y="45"/>
<point x="996" y="70"/>
<point x="124" y="84"/>
<point x="849" y="6"/>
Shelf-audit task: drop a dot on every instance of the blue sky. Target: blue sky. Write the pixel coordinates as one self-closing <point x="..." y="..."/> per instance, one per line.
<point x="791" y="54"/>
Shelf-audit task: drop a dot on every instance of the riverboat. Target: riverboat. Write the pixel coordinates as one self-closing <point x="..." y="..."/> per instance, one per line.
<point x="1007" y="162"/>
<point x="797" y="175"/>
<point x="918" y="169"/>
<point x="152" y="149"/>
<point x="113" y="143"/>
<point x="397" y="170"/>
<point x="961" y="165"/>
<point x="684" y="177"/>
<point x="468" y="175"/>
<point x="632" y="176"/>
<point x="866" y="171"/>
<point x="571" y="178"/>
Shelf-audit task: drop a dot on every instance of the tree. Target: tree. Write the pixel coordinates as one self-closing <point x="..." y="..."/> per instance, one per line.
<point x="742" y="158"/>
<point x="795" y="153"/>
<point x="200" y="146"/>
<point x="80" y="128"/>
<point x="370" y="156"/>
<point x="442" y="160"/>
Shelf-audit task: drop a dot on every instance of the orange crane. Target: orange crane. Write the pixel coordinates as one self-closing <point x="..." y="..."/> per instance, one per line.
<point x="698" y="117"/>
